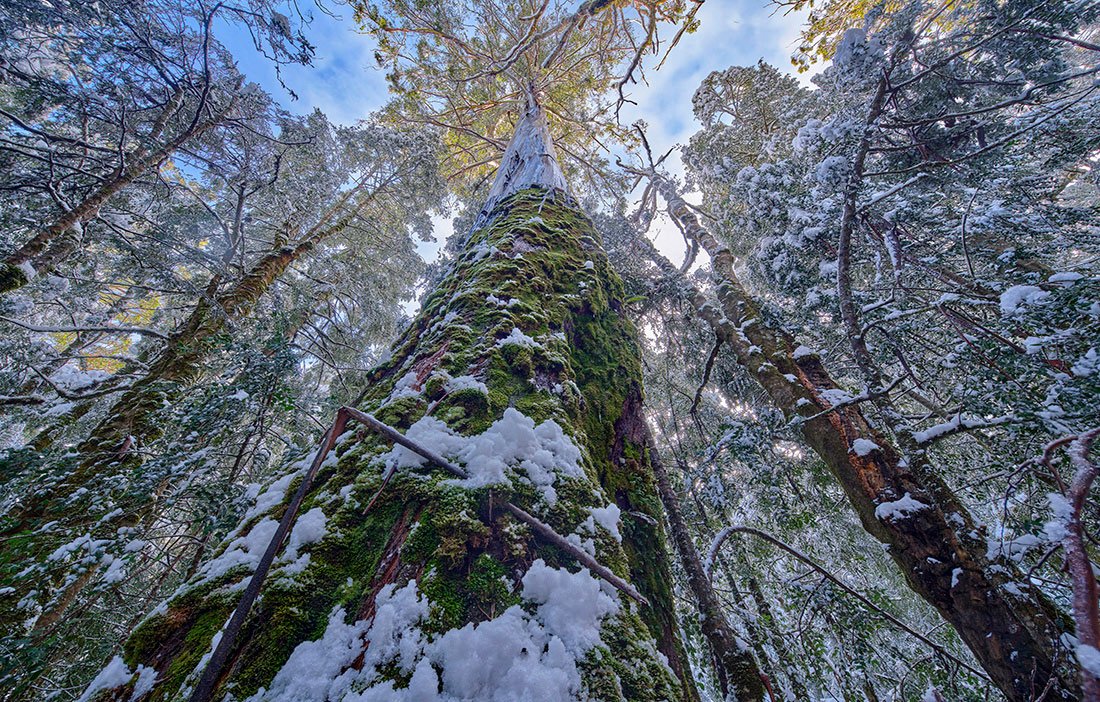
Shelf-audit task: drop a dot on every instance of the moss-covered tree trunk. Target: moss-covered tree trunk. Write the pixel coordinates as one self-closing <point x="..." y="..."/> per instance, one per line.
<point x="522" y="369"/>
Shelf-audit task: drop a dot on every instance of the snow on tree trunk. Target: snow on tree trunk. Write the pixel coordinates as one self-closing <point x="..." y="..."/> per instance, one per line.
<point x="1014" y="630"/>
<point x="522" y="369"/>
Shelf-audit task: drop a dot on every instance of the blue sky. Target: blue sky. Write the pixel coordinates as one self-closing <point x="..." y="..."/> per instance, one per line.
<point x="346" y="84"/>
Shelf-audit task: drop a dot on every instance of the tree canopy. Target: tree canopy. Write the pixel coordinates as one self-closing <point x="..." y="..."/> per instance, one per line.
<point x="835" y="441"/>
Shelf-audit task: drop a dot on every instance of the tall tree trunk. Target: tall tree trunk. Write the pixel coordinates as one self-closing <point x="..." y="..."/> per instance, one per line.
<point x="738" y="673"/>
<point x="1012" y="627"/>
<point x="523" y="338"/>
<point x="55" y="242"/>
<point x="132" y="420"/>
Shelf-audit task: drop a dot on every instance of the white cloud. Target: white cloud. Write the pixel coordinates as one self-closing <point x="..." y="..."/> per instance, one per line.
<point x="731" y="33"/>
<point x="343" y="82"/>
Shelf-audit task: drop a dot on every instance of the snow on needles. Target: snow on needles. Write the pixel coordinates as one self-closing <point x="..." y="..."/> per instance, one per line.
<point x="1020" y="295"/>
<point x="513" y="442"/>
<point x="516" y="656"/>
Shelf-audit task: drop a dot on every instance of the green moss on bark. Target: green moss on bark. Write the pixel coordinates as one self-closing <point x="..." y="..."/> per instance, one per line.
<point x="536" y="267"/>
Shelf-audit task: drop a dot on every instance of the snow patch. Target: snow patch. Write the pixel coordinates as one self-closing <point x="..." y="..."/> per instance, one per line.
<point x="1057" y="529"/>
<point x="404" y="387"/>
<point x="1020" y="295"/>
<point x="519" y="339"/>
<point x="146" y="679"/>
<point x="244" y="550"/>
<point x="71" y="378"/>
<point x="1089" y="657"/>
<point x="114" y="674"/>
<point x="608" y="518"/>
<point x="269" y="498"/>
<point x="309" y="528"/>
<point x="836" y="396"/>
<point x="864" y="447"/>
<point x="1065" y="277"/>
<point x="513" y="445"/>
<point x="803" y="352"/>
<point x="516" y="656"/>
<point x="466" y="382"/>
<point x="899" y="509"/>
<point x="1087" y="364"/>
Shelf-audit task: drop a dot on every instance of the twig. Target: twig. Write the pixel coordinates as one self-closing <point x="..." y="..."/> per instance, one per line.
<point x="66" y="330"/>
<point x="706" y="375"/>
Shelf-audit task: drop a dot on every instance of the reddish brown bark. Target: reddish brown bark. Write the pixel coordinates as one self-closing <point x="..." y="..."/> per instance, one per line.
<point x="939" y="549"/>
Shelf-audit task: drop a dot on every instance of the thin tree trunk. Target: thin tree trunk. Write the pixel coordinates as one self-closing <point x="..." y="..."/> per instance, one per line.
<point x="55" y="242"/>
<point x="737" y="671"/>
<point x="105" y="491"/>
<point x="561" y="352"/>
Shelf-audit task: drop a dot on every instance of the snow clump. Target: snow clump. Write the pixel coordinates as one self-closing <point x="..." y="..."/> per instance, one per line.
<point x="516" y="656"/>
<point x="116" y="674"/>
<point x="513" y="445"/>
<point x="608" y="518"/>
<point x="1019" y="295"/>
<point x="864" y="447"/>
<point x="858" y="56"/>
<point x="899" y="509"/>
<point x="519" y="339"/>
<point x="466" y="382"/>
<point x="1089" y="656"/>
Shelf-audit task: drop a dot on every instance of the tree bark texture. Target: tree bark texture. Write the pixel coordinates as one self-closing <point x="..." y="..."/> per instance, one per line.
<point x="102" y="488"/>
<point x="738" y="672"/>
<point x="538" y="256"/>
<point x="1012" y="627"/>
